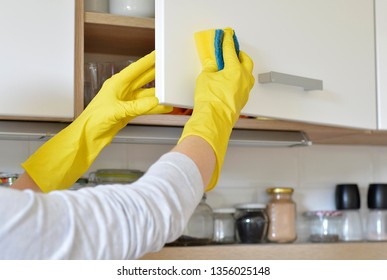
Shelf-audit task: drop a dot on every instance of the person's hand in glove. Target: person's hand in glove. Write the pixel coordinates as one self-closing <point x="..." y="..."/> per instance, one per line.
<point x="219" y="95"/>
<point x="63" y="159"/>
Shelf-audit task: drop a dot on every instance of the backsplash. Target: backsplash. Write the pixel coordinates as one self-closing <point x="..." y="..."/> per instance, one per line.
<point x="312" y="171"/>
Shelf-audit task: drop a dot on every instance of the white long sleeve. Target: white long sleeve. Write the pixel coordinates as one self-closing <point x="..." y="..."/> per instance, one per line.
<point x="104" y="222"/>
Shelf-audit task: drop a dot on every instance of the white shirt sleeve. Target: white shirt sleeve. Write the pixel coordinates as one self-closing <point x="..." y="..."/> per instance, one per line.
<point x="103" y="222"/>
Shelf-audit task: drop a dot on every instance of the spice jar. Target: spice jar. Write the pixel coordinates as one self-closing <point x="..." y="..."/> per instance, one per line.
<point x="324" y="226"/>
<point x="200" y="227"/>
<point x="347" y="198"/>
<point x="251" y="223"/>
<point x="114" y="176"/>
<point x="224" y="225"/>
<point x="281" y="210"/>
<point x="7" y="179"/>
<point x="377" y="213"/>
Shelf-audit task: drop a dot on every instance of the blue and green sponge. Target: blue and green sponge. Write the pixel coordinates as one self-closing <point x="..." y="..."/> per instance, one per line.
<point x="209" y="47"/>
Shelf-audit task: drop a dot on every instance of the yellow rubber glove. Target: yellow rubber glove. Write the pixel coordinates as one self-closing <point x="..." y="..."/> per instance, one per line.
<point x="63" y="159"/>
<point x="219" y="95"/>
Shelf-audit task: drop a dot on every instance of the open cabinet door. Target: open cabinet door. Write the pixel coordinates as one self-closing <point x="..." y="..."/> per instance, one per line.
<point x="290" y="42"/>
<point x="381" y="49"/>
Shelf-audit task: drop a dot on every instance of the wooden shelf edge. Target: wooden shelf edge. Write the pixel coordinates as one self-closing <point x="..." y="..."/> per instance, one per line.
<point x="318" y="134"/>
<point x="115" y="20"/>
<point x="297" y="251"/>
<point x="245" y="123"/>
<point x="79" y="59"/>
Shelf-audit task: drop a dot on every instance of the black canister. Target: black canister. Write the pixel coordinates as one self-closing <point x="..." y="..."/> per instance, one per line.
<point x="251" y="223"/>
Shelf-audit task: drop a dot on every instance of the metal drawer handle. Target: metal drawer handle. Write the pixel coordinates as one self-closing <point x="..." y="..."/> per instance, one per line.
<point x="291" y="80"/>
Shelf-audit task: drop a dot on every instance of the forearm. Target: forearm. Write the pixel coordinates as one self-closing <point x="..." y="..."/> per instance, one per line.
<point x="201" y="152"/>
<point x="25" y="182"/>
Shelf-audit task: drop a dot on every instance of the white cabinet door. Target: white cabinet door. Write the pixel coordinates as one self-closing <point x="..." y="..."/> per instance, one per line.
<point x="381" y="61"/>
<point x="37" y="58"/>
<point x="328" y="40"/>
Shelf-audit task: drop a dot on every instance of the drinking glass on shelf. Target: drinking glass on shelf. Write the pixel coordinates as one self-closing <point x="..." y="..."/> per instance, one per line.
<point x="120" y="65"/>
<point x="96" y="73"/>
<point x="104" y="71"/>
<point x="90" y="82"/>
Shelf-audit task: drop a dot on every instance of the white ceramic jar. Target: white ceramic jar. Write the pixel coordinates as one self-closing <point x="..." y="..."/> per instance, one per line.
<point x="99" y="6"/>
<point x="135" y="8"/>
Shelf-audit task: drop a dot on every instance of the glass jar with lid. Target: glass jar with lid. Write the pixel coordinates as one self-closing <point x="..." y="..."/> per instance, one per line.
<point x="377" y="212"/>
<point x="347" y="199"/>
<point x="200" y="227"/>
<point x="281" y="210"/>
<point x="114" y="176"/>
<point x="224" y="225"/>
<point x="251" y="223"/>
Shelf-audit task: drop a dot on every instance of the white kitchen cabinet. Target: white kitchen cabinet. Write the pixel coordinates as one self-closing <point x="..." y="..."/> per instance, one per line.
<point x="381" y="60"/>
<point x="328" y="40"/>
<point x="37" y="59"/>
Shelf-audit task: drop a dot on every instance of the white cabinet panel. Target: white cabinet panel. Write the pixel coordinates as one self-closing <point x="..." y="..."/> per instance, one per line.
<point x="381" y="62"/>
<point x="37" y="58"/>
<point x="328" y="40"/>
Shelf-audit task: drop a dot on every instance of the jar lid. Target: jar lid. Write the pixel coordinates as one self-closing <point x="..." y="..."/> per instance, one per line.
<point x="250" y="206"/>
<point x="347" y="196"/>
<point x="224" y="210"/>
<point x="279" y="190"/>
<point x="377" y="196"/>
<point x="323" y="213"/>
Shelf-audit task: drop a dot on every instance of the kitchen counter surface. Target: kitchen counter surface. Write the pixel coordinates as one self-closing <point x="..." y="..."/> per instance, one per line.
<point x="297" y="251"/>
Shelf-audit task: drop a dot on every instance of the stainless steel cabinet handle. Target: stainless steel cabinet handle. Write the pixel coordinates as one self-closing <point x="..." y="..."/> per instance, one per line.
<point x="291" y="80"/>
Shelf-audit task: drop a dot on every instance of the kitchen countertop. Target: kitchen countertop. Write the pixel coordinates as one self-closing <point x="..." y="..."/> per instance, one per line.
<point x="296" y="251"/>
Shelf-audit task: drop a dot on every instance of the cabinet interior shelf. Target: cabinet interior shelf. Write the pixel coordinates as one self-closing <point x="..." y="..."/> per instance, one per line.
<point x="121" y="35"/>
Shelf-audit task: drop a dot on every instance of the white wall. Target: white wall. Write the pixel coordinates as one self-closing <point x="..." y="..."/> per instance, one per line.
<point x="312" y="171"/>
